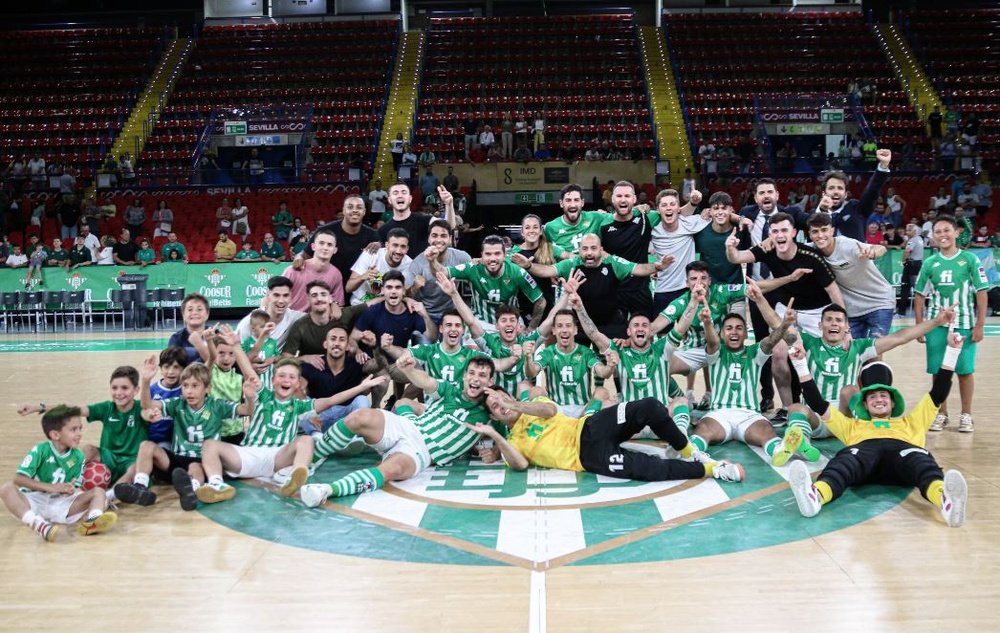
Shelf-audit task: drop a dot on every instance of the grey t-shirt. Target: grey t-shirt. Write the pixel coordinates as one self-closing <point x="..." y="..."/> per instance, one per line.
<point x="862" y="284"/>
<point x="680" y="244"/>
<point x="916" y="247"/>
<point x="430" y="295"/>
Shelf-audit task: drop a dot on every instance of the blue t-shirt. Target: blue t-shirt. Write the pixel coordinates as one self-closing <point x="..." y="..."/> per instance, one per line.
<point x="180" y="339"/>
<point x="163" y="429"/>
<point x="380" y="321"/>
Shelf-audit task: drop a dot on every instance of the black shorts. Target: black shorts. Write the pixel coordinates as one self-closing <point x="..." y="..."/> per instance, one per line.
<point x="176" y="461"/>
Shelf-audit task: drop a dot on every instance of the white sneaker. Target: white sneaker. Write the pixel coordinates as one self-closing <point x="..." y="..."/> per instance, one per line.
<point x="956" y="494"/>
<point x="702" y="457"/>
<point x="965" y="423"/>
<point x="314" y="495"/>
<point x="806" y="495"/>
<point x="940" y="421"/>
<point x="283" y="476"/>
<point x="728" y="471"/>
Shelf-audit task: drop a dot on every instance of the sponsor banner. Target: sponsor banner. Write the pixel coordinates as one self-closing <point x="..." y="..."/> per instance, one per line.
<point x="240" y="285"/>
<point x="237" y="128"/>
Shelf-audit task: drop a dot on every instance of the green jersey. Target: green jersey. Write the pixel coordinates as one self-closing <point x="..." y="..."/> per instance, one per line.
<point x="646" y="374"/>
<point x="57" y="258"/>
<point x="146" y="255"/>
<point x="123" y="432"/>
<point x="274" y="251"/>
<point x="720" y="296"/>
<point x="952" y="281"/>
<point x="489" y="292"/>
<point x="441" y="424"/>
<point x="268" y="350"/>
<point x="492" y="344"/>
<point x="735" y="377"/>
<point x="44" y="464"/>
<point x="275" y="422"/>
<point x="964" y="232"/>
<point x="567" y="376"/>
<point x="192" y="428"/>
<point x="228" y="385"/>
<point x="834" y="367"/>
<point x="249" y="255"/>
<point x="568" y="236"/>
<point x="441" y="365"/>
<point x="622" y="267"/>
<point x="172" y="247"/>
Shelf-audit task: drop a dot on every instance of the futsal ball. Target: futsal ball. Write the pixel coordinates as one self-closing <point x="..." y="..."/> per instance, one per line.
<point x="96" y="475"/>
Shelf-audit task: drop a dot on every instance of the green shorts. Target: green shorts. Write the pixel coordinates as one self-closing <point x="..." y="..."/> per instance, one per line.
<point x="937" y="342"/>
<point x="118" y="464"/>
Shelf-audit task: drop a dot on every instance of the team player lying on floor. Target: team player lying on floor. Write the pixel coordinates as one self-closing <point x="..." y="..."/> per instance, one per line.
<point x="532" y="382"/>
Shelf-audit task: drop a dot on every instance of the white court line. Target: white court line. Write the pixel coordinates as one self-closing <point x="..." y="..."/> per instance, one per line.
<point x="536" y="605"/>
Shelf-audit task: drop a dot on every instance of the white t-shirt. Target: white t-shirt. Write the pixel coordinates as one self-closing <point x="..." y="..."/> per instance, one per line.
<point x="93" y="244"/>
<point x="280" y="332"/>
<point x="367" y="260"/>
<point x="106" y="256"/>
<point x="680" y="244"/>
<point x="17" y="260"/>
<point x="376" y="198"/>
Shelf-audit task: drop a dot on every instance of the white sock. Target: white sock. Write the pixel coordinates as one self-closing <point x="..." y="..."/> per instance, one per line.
<point x="195" y="484"/>
<point x="29" y="517"/>
<point x="109" y="494"/>
<point x="141" y="479"/>
<point x="215" y="481"/>
<point x="94" y="514"/>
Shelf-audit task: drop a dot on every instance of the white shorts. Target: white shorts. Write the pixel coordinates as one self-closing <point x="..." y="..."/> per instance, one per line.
<point x="401" y="435"/>
<point x="695" y="358"/>
<point x="805" y="320"/>
<point x="53" y="508"/>
<point x="255" y="461"/>
<point x="572" y="410"/>
<point x="734" y="421"/>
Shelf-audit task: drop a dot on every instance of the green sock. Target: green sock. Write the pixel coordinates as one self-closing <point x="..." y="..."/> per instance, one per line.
<point x="699" y="443"/>
<point x="682" y="417"/>
<point x="336" y="438"/>
<point x="357" y="482"/>
<point x="772" y="445"/>
<point x="405" y="410"/>
<point x="592" y="407"/>
<point x="801" y="420"/>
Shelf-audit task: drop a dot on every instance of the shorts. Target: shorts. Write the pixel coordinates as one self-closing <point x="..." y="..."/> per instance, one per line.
<point x="176" y="461"/>
<point x="937" y="342"/>
<point x="53" y="508"/>
<point x="805" y="320"/>
<point x="734" y="421"/>
<point x="875" y="324"/>
<point x="572" y="410"/>
<point x="255" y="461"/>
<point x="695" y="358"/>
<point x="117" y="464"/>
<point x="401" y="436"/>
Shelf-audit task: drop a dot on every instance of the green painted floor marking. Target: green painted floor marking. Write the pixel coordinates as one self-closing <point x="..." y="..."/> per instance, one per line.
<point x="91" y="345"/>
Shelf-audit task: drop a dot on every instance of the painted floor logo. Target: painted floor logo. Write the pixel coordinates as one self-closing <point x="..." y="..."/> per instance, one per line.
<point x="477" y="514"/>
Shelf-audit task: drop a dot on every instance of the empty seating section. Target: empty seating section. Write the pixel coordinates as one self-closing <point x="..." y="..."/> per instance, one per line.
<point x="723" y="60"/>
<point x="341" y="69"/>
<point x="67" y="92"/>
<point x="582" y="74"/>
<point x="958" y="49"/>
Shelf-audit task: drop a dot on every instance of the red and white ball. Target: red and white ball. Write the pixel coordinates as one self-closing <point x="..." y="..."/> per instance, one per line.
<point x="96" y="475"/>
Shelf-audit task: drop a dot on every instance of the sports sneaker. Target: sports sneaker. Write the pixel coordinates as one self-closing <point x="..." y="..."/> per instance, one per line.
<point x="956" y="494"/>
<point x="940" y="421"/>
<point x="789" y="445"/>
<point x="810" y="452"/>
<point x="102" y="523"/>
<point x="134" y="493"/>
<point x="44" y="529"/>
<point x="299" y="477"/>
<point x="702" y="457"/>
<point x="965" y="423"/>
<point x="728" y="471"/>
<point x="185" y="489"/>
<point x="806" y="495"/>
<point x="705" y="403"/>
<point x="780" y="418"/>
<point x="214" y="494"/>
<point x="766" y="404"/>
<point x="315" y="494"/>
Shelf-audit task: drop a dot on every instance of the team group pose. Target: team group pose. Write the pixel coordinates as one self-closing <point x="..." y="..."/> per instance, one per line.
<point x="555" y="354"/>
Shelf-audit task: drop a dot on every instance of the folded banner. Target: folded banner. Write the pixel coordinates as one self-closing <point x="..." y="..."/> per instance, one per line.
<point x="239" y="285"/>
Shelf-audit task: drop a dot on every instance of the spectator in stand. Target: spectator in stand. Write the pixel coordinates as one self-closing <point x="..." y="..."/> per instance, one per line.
<point x="983" y="191"/>
<point x="947" y="153"/>
<point x="593" y="154"/>
<point x="206" y="171"/>
<point x="173" y="250"/>
<point x="68" y="213"/>
<point x="451" y="181"/>
<point x="241" y="219"/>
<point x="495" y="154"/>
<point x="4" y="250"/>
<point x="106" y="255"/>
<point x="426" y="158"/>
<point x="941" y="200"/>
<point x="982" y="238"/>
<point x="952" y="117"/>
<point x="396" y="148"/>
<point x="706" y="154"/>
<point x="744" y="151"/>
<point x="967" y="199"/>
<point x="224" y="216"/>
<point x="36" y="171"/>
<point x="521" y="129"/>
<point x="35" y="262"/>
<point x="125" y="251"/>
<point x="271" y="250"/>
<point x="282" y="221"/>
<point x="17" y="172"/>
<point x="296" y="232"/>
<point x="110" y="167"/>
<point x="319" y="267"/>
<point x="225" y="248"/>
<point x="542" y="153"/>
<point x="163" y="219"/>
<point x="934" y="121"/>
<point x="126" y="168"/>
<point x="880" y="214"/>
<point x="58" y="257"/>
<point x="507" y="136"/>
<point x="80" y="255"/>
<point x="377" y="199"/>
<point x="135" y="217"/>
<point x="16" y="259"/>
<point x="470" y="130"/>
<point x="300" y="242"/>
<point x="725" y="156"/>
<point x="145" y="256"/>
<point x="428" y="182"/>
<point x="254" y="167"/>
<point x="522" y="154"/>
<point x="67" y="184"/>
<point x="538" y="132"/>
<point x="874" y="234"/>
<point x="247" y="253"/>
<point x="894" y="238"/>
<point x="487" y="139"/>
<point x="409" y="158"/>
<point x="970" y="129"/>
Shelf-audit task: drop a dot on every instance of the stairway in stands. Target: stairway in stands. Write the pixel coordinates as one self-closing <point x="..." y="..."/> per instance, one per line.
<point x="402" y="101"/>
<point x="668" y="113"/>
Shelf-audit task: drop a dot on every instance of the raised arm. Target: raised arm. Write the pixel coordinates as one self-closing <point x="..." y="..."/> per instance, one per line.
<point x="511" y="455"/>
<point x="146" y="374"/>
<point x="449" y="205"/>
<point x="733" y="254"/>
<point x="243" y="361"/>
<point x="889" y="341"/>
<point x="767" y="285"/>
<point x="644" y="269"/>
<point x="538" y="270"/>
<point x="607" y="369"/>
<point x="600" y="340"/>
<point x="417" y="377"/>
<point x="755" y="294"/>
<point x="712" y="341"/>
<point x="778" y="334"/>
<point x="692" y="204"/>
<point x="448" y="287"/>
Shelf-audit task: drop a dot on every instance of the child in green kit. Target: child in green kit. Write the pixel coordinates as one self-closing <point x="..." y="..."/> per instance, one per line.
<point x="46" y="489"/>
<point x="261" y="349"/>
<point x="227" y="382"/>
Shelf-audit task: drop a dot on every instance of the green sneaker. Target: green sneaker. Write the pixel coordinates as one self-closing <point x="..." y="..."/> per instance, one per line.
<point x="810" y="452"/>
<point x="789" y="445"/>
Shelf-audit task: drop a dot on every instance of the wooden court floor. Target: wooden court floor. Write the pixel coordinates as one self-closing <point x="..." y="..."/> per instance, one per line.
<point x="165" y="570"/>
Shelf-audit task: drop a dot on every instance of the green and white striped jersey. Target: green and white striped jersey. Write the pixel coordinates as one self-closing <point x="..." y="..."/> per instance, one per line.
<point x="495" y="348"/>
<point x="567" y="376"/>
<point x="441" y="424"/>
<point x="834" y="367"/>
<point x="490" y="292"/>
<point x="736" y="377"/>
<point x="952" y="281"/>
<point x="720" y="297"/>
<point x="275" y="422"/>
<point x="645" y="374"/>
<point x="442" y="366"/>
<point x="192" y="428"/>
